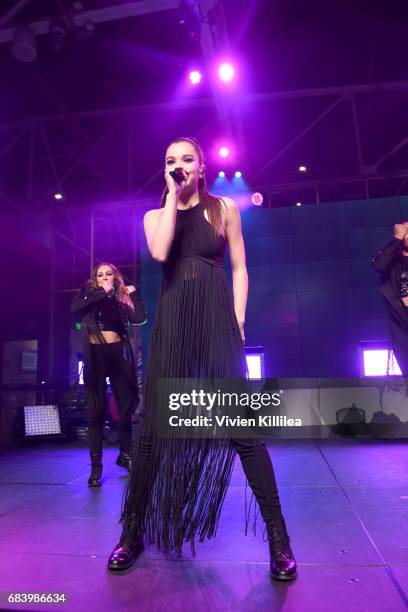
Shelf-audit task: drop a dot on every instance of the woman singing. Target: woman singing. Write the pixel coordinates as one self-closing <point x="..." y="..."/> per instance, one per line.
<point x="107" y="308"/>
<point x="176" y="488"/>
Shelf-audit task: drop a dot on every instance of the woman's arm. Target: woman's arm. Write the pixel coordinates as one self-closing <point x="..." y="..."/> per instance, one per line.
<point x="384" y="258"/>
<point x="159" y="226"/>
<point x="86" y="298"/>
<point x="238" y="263"/>
<point x="137" y="314"/>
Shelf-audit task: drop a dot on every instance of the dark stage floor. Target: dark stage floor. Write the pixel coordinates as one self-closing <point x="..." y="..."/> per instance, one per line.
<point x="346" y="505"/>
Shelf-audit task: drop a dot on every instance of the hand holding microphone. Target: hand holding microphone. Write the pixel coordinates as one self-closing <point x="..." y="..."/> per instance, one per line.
<point x="108" y="286"/>
<point x="176" y="179"/>
<point x="177" y="175"/>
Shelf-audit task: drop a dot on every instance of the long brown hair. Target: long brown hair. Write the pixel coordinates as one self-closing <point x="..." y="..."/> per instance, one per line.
<point x="212" y="204"/>
<point x="120" y="291"/>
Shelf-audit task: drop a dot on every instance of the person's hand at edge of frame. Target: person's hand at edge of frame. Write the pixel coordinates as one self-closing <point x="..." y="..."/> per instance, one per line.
<point x="400" y="230"/>
<point x="107" y="286"/>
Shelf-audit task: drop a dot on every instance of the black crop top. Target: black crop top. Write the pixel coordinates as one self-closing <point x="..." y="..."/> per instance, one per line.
<point x="108" y="317"/>
<point x="101" y="312"/>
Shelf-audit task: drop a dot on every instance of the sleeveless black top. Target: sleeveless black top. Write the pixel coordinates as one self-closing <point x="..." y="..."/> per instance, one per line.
<point x="195" y="237"/>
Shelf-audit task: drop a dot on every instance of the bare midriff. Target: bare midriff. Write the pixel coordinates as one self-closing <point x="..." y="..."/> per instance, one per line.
<point x="109" y="337"/>
<point x="405" y="300"/>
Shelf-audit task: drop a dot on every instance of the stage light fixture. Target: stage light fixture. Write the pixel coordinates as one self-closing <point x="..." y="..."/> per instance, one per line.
<point x="255" y="361"/>
<point x="380" y="362"/>
<point x="57" y="35"/>
<point x="257" y="199"/>
<point x="195" y="77"/>
<point x="224" y="152"/>
<point x="302" y="169"/>
<point x="24" y="48"/>
<point x="226" y="72"/>
<point x="298" y="203"/>
<point x="41" y="420"/>
<point x="58" y="196"/>
<point x="221" y="174"/>
<point x="238" y="174"/>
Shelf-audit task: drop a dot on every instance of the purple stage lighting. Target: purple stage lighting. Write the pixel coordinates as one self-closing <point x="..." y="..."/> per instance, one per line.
<point x="380" y="362"/>
<point x="226" y="72"/>
<point x="58" y="196"/>
<point x="257" y="199"/>
<point x="224" y="152"/>
<point x="238" y="174"/>
<point x="195" y="77"/>
<point x="255" y="361"/>
<point x="221" y="174"/>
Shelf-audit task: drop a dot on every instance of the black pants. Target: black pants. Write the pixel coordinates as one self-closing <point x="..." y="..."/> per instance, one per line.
<point x="258" y="469"/>
<point x="400" y="349"/>
<point x="108" y="360"/>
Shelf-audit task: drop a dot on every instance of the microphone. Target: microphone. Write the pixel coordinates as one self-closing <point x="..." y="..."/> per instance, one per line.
<point x="177" y="175"/>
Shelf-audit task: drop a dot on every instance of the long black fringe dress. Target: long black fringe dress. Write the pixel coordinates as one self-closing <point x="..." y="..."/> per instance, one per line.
<point x="177" y="486"/>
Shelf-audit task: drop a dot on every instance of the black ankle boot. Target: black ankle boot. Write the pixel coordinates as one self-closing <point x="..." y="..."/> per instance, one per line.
<point x="95" y="478"/>
<point x="283" y="564"/>
<point x="125" y="460"/>
<point x="125" y="554"/>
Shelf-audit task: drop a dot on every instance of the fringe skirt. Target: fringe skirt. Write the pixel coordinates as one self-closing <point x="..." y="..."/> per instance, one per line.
<point x="177" y="486"/>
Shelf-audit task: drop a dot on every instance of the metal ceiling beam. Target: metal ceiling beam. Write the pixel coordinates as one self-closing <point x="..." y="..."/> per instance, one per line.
<point x="268" y="188"/>
<point x="81" y="160"/>
<point x="72" y="243"/>
<point x="102" y="15"/>
<point x="389" y="153"/>
<point x="346" y="91"/>
<point x="13" y="141"/>
<point x="12" y="12"/>
<point x="357" y="133"/>
<point x="297" y="138"/>
<point x="214" y="39"/>
<point x="208" y="49"/>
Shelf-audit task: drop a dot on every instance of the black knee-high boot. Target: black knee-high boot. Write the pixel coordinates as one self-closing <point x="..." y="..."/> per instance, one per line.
<point x="131" y="544"/>
<point x="258" y="469"/>
<point x="95" y="478"/>
<point x="282" y="562"/>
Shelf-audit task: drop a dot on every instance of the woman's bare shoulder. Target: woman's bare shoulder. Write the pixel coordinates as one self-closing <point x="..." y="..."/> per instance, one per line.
<point x="152" y="214"/>
<point x="228" y="202"/>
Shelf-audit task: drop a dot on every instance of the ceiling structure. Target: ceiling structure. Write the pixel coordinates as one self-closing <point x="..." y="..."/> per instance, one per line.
<point x="320" y="84"/>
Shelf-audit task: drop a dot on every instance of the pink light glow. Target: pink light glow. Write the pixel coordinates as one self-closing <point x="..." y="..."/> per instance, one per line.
<point x="226" y="72"/>
<point x="257" y="199"/>
<point x="195" y="77"/>
<point x="224" y="151"/>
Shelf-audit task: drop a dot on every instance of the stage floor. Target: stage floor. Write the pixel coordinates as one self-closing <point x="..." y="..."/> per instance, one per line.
<point x="345" y="503"/>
